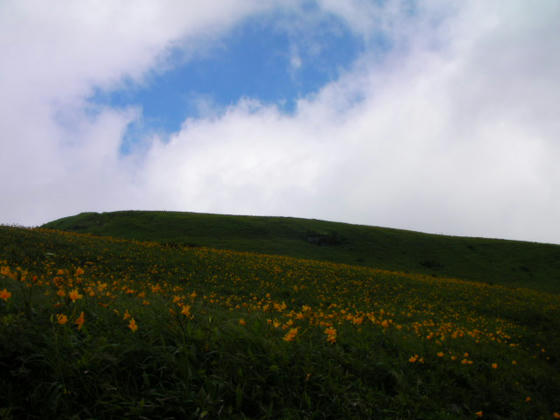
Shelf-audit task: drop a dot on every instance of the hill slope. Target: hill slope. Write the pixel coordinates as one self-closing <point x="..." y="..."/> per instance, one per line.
<point x="98" y="327"/>
<point x="512" y="263"/>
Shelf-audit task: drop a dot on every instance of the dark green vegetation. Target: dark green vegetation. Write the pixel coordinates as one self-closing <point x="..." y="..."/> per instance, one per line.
<point x="223" y="334"/>
<point x="493" y="261"/>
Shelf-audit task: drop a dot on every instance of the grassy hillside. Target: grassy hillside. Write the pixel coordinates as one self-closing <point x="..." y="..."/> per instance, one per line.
<point x="97" y="327"/>
<point x="512" y="263"/>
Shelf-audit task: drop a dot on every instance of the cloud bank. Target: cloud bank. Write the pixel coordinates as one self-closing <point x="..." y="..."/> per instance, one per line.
<point x="452" y="127"/>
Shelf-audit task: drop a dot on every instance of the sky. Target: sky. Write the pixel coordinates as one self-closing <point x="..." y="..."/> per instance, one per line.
<point x="435" y="116"/>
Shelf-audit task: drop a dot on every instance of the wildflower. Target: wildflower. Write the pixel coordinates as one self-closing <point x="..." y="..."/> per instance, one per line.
<point x="440" y="354"/>
<point x="186" y="310"/>
<point x="126" y="315"/>
<point x="80" y="321"/>
<point x="556" y="415"/>
<point x="479" y="413"/>
<point x="280" y="306"/>
<point x="291" y="334"/>
<point x="494" y="366"/>
<point x="242" y="322"/>
<point x="75" y="295"/>
<point x="61" y="319"/>
<point x="79" y="272"/>
<point x="413" y="359"/>
<point x="385" y="324"/>
<point x="132" y="325"/>
<point x="528" y="399"/>
<point x="4" y="294"/>
<point x="331" y="335"/>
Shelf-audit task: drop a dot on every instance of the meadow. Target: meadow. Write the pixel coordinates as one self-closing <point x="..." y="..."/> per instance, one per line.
<point x="101" y="327"/>
<point x="492" y="261"/>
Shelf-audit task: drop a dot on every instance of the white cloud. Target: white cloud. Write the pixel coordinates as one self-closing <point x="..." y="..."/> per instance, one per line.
<point x="295" y="61"/>
<point x="456" y="131"/>
<point x="58" y="155"/>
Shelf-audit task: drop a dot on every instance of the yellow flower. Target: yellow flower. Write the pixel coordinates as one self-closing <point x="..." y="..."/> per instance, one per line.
<point x="186" y="310"/>
<point x="413" y="358"/>
<point x="61" y="292"/>
<point x="79" y="272"/>
<point x="242" y="322"/>
<point x="61" y="319"/>
<point x="74" y="295"/>
<point x="80" y="321"/>
<point x="126" y="315"/>
<point x="331" y="335"/>
<point x="291" y="334"/>
<point x="132" y="325"/>
<point x="440" y="354"/>
<point x="5" y="295"/>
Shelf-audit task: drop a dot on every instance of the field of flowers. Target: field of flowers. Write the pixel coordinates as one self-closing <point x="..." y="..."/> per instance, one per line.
<point x="95" y="327"/>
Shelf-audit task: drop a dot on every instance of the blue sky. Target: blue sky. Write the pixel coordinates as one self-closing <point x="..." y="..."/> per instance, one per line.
<point x="434" y="116"/>
<point x="260" y="59"/>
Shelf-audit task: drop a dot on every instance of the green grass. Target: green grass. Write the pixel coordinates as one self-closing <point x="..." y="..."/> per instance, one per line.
<point x="493" y="261"/>
<point x="211" y="336"/>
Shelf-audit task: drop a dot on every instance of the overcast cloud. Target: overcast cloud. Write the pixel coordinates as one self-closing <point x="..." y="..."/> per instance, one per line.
<point x="455" y="130"/>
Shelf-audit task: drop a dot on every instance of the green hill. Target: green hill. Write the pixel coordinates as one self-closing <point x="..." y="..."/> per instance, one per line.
<point x="101" y="327"/>
<point x="494" y="261"/>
